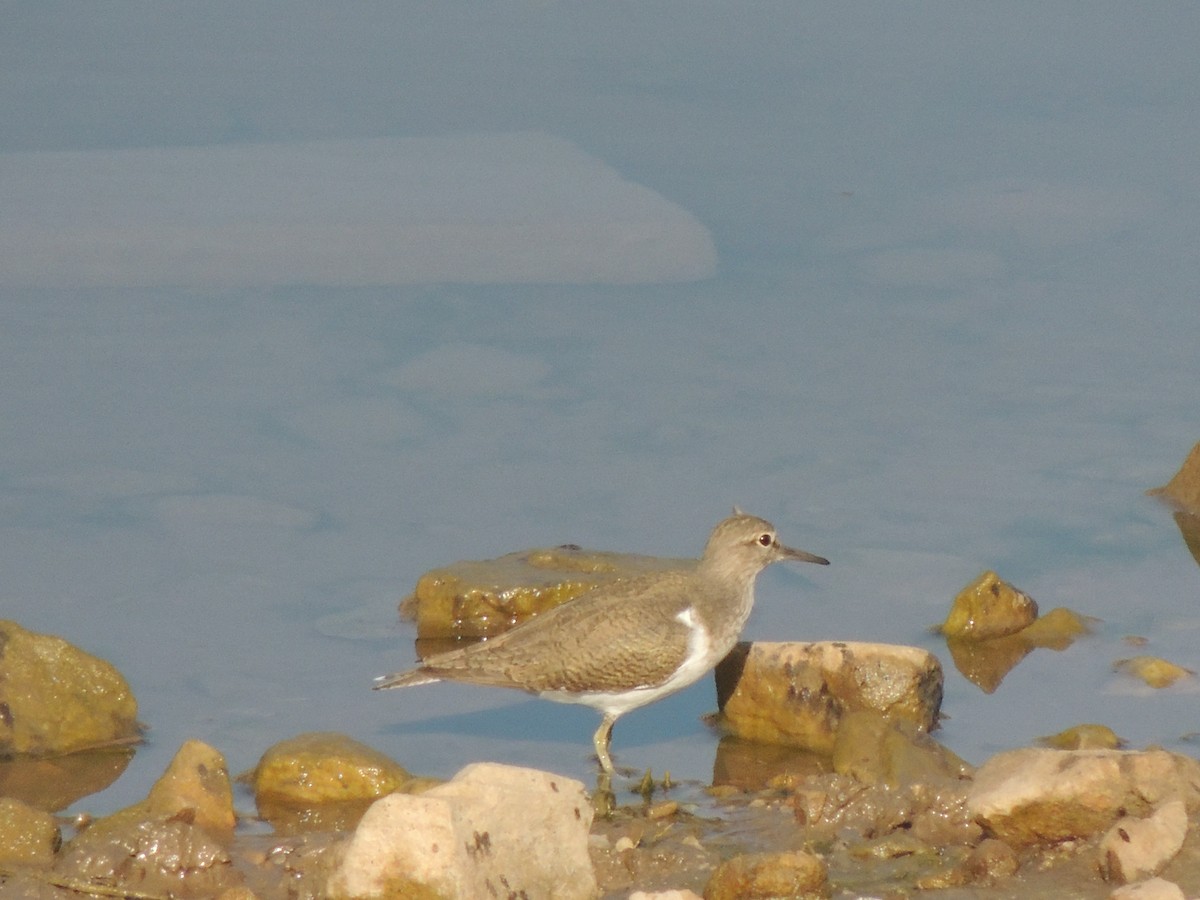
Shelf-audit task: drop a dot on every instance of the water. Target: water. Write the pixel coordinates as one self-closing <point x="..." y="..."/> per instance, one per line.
<point x="953" y="326"/>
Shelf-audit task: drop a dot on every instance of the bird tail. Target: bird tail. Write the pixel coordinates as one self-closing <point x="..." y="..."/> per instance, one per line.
<point x="404" y="679"/>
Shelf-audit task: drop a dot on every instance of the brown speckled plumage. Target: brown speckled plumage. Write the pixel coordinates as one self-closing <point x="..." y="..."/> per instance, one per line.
<point x="626" y="644"/>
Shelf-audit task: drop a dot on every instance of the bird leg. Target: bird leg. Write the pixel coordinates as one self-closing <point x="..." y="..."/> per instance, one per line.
<point x="602" y="740"/>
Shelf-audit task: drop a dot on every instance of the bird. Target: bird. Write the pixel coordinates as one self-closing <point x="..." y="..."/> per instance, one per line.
<point x="623" y="645"/>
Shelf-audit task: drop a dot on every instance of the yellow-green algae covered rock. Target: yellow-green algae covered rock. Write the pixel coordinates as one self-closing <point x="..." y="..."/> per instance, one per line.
<point x="55" y="698"/>
<point x="474" y="599"/>
<point x="28" y="836"/>
<point x="321" y="766"/>
<point x="989" y="608"/>
<point x="196" y="784"/>
<point x="324" y="781"/>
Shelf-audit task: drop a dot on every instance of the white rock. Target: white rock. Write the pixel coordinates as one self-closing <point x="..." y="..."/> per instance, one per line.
<point x="491" y="831"/>
<point x="1038" y="795"/>
<point x="1152" y="889"/>
<point x="1137" y="848"/>
<point x="665" y="895"/>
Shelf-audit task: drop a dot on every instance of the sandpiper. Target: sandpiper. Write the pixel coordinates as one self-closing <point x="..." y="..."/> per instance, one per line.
<point x="626" y="644"/>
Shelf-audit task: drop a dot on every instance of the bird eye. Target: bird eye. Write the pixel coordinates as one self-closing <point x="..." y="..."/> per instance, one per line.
<point x="766" y="540"/>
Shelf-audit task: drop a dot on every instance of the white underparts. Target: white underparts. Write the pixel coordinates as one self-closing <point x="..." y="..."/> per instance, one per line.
<point x="701" y="656"/>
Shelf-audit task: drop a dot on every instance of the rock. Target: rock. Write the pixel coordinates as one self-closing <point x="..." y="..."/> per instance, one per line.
<point x="54" y="698"/>
<point x="320" y="766"/>
<point x="172" y="842"/>
<point x="474" y="599"/>
<point x="760" y="875"/>
<point x="322" y="781"/>
<point x="1084" y="737"/>
<point x="828" y="807"/>
<point x="1183" y="490"/>
<point x="989" y="862"/>
<point x="195" y="784"/>
<point x="28" y="836"/>
<point x="1151" y="889"/>
<point x="989" y="608"/>
<point x="1134" y="848"/>
<point x="798" y="693"/>
<point x="665" y="895"/>
<point x="876" y="750"/>
<point x="491" y="830"/>
<point x="1039" y="796"/>
<point x="899" y="843"/>
<point x="152" y="857"/>
<point x="1155" y="671"/>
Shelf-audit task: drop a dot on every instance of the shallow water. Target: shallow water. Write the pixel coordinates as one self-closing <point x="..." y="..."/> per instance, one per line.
<point x="953" y="328"/>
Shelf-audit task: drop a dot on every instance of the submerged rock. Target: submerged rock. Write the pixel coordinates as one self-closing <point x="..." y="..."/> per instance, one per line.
<point x="829" y="807"/>
<point x="1084" y="737"/>
<point x="173" y="842"/>
<point x="322" y="781"/>
<point x="481" y="598"/>
<point x="492" y="830"/>
<point x="1153" y="670"/>
<point x="877" y="750"/>
<point x="1037" y="796"/>
<point x="798" y="693"/>
<point x="55" y="698"/>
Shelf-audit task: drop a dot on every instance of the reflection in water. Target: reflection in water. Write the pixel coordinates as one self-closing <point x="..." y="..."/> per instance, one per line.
<point x="1183" y="493"/>
<point x="54" y="783"/>
<point x="986" y="663"/>
<point x="752" y="766"/>
<point x="1189" y="527"/>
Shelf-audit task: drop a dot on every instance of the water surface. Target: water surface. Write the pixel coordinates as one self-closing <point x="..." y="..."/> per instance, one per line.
<point x="953" y="327"/>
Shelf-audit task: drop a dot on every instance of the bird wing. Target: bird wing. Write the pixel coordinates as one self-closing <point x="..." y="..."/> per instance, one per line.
<point x="614" y="638"/>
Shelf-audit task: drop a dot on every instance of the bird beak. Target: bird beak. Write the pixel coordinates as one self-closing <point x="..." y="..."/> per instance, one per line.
<point x="800" y="555"/>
